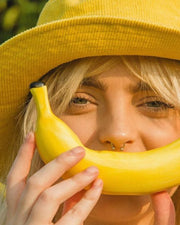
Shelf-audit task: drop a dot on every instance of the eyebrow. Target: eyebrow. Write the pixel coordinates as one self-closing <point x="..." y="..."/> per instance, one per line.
<point x="93" y="82"/>
<point x="140" y="86"/>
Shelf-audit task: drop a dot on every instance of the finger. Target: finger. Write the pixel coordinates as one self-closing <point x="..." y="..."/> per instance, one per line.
<point x="69" y="203"/>
<point x="45" y="177"/>
<point x="19" y="171"/>
<point x="49" y="201"/>
<point x="164" y="209"/>
<point x="72" y="202"/>
<point x="78" y="214"/>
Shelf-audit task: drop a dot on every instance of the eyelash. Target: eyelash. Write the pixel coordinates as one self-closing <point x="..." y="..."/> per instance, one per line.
<point x="81" y="105"/>
<point x="160" y="105"/>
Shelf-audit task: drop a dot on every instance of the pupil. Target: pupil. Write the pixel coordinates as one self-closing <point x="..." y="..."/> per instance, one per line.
<point x="156" y="104"/>
<point x="79" y="101"/>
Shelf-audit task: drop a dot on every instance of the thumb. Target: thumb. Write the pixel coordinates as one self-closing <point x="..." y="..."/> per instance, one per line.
<point x="164" y="209"/>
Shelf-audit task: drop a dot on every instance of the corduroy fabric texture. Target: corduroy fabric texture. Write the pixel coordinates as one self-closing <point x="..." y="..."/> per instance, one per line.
<point x="71" y="29"/>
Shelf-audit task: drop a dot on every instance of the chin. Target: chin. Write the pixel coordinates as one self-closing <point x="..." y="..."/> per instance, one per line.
<point x="121" y="208"/>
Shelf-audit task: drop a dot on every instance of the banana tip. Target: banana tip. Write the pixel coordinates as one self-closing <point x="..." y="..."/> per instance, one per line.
<point x="36" y="84"/>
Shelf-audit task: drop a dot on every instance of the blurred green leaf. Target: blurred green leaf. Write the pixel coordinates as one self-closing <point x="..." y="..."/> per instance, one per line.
<point x="10" y="18"/>
<point x="3" y="5"/>
<point x="17" y="16"/>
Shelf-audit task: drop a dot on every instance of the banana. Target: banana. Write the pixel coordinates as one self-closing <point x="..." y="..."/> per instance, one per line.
<point x="123" y="173"/>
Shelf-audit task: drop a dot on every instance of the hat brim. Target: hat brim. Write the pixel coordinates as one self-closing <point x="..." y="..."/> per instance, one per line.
<point x="28" y="56"/>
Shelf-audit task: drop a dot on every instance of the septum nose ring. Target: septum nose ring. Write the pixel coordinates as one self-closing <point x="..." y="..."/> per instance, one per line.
<point x="122" y="147"/>
<point x="113" y="146"/>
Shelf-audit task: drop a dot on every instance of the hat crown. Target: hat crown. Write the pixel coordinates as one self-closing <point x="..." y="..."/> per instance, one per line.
<point x="159" y="12"/>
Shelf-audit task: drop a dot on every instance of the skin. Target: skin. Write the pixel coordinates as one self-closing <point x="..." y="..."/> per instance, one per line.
<point x="98" y="117"/>
<point x="125" y="116"/>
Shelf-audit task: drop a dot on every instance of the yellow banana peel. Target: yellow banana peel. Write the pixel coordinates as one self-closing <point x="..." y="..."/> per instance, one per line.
<point x="123" y="173"/>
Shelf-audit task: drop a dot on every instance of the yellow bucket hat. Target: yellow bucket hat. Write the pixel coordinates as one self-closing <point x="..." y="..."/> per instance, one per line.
<point x="71" y="29"/>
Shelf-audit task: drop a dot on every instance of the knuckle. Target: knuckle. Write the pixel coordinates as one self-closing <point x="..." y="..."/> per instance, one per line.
<point x="90" y="198"/>
<point x="47" y="196"/>
<point x="34" y="182"/>
<point x="64" y="160"/>
<point x="78" y="181"/>
<point x="75" y="181"/>
<point x="79" y="178"/>
<point x="82" y="178"/>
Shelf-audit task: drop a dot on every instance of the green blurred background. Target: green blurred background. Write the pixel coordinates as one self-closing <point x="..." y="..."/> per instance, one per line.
<point x="17" y="16"/>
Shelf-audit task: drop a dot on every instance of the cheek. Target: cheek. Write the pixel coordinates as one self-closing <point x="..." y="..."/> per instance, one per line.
<point x="161" y="132"/>
<point x="83" y="125"/>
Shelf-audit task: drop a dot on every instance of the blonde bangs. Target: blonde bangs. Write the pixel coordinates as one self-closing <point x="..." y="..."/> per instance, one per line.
<point x="162" y="75"/>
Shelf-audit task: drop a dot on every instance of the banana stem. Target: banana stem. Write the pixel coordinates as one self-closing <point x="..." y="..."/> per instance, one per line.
<point x="41" y="100"/>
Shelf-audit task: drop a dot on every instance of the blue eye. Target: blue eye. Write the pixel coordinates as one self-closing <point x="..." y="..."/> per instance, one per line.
<point x="81" y="103"/>
<point x="158" y="105"/>
<point x="79" y="100"/>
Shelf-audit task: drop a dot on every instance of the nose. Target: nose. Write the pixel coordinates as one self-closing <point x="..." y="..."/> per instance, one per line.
<point x="119" y="128"/>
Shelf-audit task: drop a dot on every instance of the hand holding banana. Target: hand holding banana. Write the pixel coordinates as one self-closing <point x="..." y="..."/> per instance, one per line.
<point x="123" y="173"/>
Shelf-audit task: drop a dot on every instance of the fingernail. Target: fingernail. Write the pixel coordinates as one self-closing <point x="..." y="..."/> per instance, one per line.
<point x="77" y="151"/>
<point x="92" y="170"/>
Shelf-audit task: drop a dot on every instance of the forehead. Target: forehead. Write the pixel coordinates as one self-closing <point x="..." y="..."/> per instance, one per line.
<point x="119" y="75"/>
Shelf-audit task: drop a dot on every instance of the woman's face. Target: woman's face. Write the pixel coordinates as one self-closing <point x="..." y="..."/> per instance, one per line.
<point x="113" y="107"/>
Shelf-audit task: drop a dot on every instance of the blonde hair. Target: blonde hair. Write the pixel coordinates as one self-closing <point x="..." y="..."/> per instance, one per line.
<point x="162" y="75"/>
